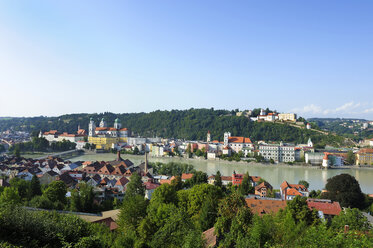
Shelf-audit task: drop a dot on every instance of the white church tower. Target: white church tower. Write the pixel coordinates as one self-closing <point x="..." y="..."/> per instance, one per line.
<point x="117" y="124"/>
<point x="309" y="143"/>
<point x="103" y="122"/>
<point x="208" y="139"/>
<point x="226" y="138"/>
<point x="91" y="127"/>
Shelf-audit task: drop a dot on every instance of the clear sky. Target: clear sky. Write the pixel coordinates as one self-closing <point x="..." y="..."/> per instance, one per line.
<point x="311" y="57"/>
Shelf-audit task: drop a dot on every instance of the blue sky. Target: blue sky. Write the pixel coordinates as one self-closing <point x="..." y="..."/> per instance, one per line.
<point x="311" y="57"/>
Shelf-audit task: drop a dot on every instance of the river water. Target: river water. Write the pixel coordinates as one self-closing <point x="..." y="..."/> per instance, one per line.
<point x="274" y="174"/>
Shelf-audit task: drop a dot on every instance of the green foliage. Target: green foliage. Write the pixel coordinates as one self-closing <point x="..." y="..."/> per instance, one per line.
<point x="132" y="211"/>
<point x="227" y="210"/>
<point x="350" y="158"/>
<point x="345" y="189"/>
<point x="35" y="187"/>
<point x="10" y="196"/>
<point x="173" y="232"/>
<point x="135" y="186"/>
<point x="198" y="178"/>
<point x="22" y="186"/>
<point x="353" y="218"/>
<point x="82" y="200"/>
<point x="56" y="193"/>
<point x="165" y="193"/>
<point x="304" y="183"/>
<point x="246" y="187"/>
<point x="218" y="182"/>
<point x="300" y="212"/>
<point x="172" y="168"/>
<point x="39" y="228"/>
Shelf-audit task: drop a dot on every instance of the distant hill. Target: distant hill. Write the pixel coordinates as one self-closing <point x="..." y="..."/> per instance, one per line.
<point x="346" y="127"/>
<point x="191" y="124"/>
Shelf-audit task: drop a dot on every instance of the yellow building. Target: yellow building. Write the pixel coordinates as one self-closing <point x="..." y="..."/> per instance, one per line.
<point x="364" y="156"/>
<point x="287" y="117"/>
<point x="104" y="137"/>
<point x="105" y="142"/>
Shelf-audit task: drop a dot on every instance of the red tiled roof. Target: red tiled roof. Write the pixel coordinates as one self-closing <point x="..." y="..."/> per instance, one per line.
<point x="112" y="129"/>
<point x="68" y="135"/>
<point x="365" y="150"/>
<point x="234" y="139"/>
<point x="255" y="178"/>
<point x="81" y="132"/>
<point x="265" y="206"/>
<point x="186" y="176"/>
<point x="298" y="187"/>
<point x="51" y="132"/>
<point x="293" y="192"/>
<point x="122" y="181"/>
<point x="327" y="207"/>
<point x="123" y="129"/>
<point x="101" y="128"/>
<point x="263" y="185"/>
<point x="150" y="185"/>
<point x="226" y="178"/>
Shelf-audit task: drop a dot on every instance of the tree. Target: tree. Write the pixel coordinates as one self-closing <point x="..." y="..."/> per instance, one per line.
<point x="10" y="196"/>
<point x="351" y="217"/>
<point x="132" y="211"/>
<point x="135" y="186"/>
<point x="246" y="187"/>
<point x="35" y="187"/>
<point x="218" y="182"/>
<point x="17" y="151"/>
<point x="350" y="157"/>
<point x="22" y="186"/>
<point x="56" y="193"/>
<point x="177" y="183"/>
<point x="300" y="212"/>
<point x="165" y="193"/>
<point x="208" y="213"/>
<point x="136" y="151"/>
<point x="304" y="183"/>
<point x="227" y="210"/>
<point x="346" y="190"/>
<point x="239" y="228"/>
<point x="174" y="232"/>
<point x="198" y="178"/>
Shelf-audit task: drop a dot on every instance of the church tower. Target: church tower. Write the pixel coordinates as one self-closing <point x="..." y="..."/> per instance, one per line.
<point x="208" y="139"/>
<point x="226" y="138"/>
<point x="117" y="124"/>
<point x="309" y="143"/>
<point x="103" y="122"/>
<point x="91" y="127"/>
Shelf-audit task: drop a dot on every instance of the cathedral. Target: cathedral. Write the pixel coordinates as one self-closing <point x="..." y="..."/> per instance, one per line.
<point x="105" y="137"/>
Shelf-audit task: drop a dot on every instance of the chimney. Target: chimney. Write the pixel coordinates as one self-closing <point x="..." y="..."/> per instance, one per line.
<point x="118" y="156"/>
<point x="146" y="162"/>
<point x="347" y="227"/>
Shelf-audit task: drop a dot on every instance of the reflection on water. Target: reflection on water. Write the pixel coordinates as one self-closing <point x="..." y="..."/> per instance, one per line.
<point x="272" y="173"/>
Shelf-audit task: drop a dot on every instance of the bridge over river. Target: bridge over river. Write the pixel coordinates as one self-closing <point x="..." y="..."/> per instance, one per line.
<point x="69" y="153"/>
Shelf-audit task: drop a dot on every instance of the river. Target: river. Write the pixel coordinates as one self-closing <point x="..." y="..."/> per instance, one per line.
<point x="274" y="174"/>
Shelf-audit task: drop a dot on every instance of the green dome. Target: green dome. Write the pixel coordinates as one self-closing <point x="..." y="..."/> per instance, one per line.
<point x="117" y="120"/>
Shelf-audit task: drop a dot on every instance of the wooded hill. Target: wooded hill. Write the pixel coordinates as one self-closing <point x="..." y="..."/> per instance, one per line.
<point x="191" y="124"/>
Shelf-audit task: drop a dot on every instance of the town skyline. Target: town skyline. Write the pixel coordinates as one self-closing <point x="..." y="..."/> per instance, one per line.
<point x="89" y="57"/>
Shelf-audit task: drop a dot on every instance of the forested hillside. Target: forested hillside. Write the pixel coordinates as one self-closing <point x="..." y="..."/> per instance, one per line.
<point x="191" y="124"/>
